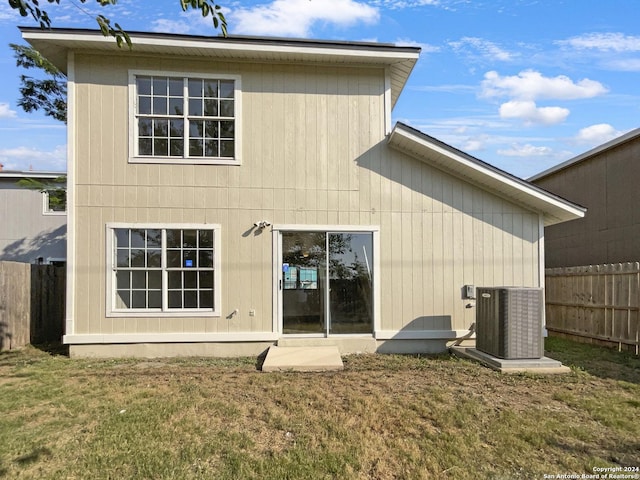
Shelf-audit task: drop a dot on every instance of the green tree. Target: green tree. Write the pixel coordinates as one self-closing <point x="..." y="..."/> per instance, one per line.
<point x="34" y="9"/>
<point x="55" y="187"/>
<point x="49" y="93"/>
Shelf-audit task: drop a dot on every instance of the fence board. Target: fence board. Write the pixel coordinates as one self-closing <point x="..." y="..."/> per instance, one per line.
<point x="32" y="301"/>
<point x="48" y="284"/>
<point x="599" y="302"/>
<point x="15" y="305"/>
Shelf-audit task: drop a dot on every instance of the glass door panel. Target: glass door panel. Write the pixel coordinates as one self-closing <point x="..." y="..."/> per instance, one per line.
<point x="327" y="283"/>
<point x="350" y="283"/>
<point x="303" y="283"/>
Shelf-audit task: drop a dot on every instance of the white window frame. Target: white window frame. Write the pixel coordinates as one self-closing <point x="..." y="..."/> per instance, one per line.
<point x="276" y="231"/>
<point x="46" y="208"/>
<point x="185" y="159"/>
<point x="112" y="311"/>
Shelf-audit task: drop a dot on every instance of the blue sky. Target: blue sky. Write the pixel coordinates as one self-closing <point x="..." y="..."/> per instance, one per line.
<point x="521" y="84"/>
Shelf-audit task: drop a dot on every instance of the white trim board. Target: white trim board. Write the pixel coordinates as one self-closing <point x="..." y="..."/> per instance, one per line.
<point x="115" y="338"/>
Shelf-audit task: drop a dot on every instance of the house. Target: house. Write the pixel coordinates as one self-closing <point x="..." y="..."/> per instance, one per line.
<point x="226" y="194"/>
<point x="604" y="180"/>
<point x="32" y="228"/>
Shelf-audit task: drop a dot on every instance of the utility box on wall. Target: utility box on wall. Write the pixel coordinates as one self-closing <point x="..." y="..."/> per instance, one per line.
<point x="509" y="322"/>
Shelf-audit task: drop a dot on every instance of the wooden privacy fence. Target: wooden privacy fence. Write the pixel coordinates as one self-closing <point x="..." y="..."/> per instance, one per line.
<point x="596" y="303"/>
<point x="32" y="299"/>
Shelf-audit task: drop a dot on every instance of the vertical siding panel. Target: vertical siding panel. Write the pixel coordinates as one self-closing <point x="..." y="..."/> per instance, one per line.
<point x="275" y="177"/>
<point x="447" y="266"/>
<point x="528" y="229"/>
<point x="343" y="121"/>
<point x="507" y="249"/>
<point x="469" y="271"/>
<point x="321" y="129"/>
<point x="407" y="266"/>
<point x="417" y="265"/>
<point x="396" y="269"/>
<point x="334" y="126"/>
<point x="438" y="269"/>
<point x="83" y="149"/>
<point x="458" y="261"/>
<point x="498" y="258"/>
<point x="396" y="184"/>
<point x="309" y="142"/>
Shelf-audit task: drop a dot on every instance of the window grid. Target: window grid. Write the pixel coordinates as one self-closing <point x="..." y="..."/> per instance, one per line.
<point x="164" y="269"/>
<point x="185" y="117"/>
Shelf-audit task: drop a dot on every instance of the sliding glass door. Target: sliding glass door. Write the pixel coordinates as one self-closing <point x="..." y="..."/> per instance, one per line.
<point x="327" y="283"/>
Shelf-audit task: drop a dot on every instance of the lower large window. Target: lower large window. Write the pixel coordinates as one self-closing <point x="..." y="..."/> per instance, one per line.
<point x="170" y="269"/>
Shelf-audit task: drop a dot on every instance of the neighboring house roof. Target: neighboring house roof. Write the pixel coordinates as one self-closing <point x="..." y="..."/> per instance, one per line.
<point x="30" y="174"/>
<point x="627" y="137"/>
<point x="457" y="163"/>
<point x="55" y="43"/>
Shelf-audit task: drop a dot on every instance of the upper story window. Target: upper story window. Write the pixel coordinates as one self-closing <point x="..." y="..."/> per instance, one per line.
<point x="185" y="119"/>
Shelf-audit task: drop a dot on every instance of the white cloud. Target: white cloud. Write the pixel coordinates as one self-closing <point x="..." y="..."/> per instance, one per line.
<point x="485" y="48"/>
<point x="8" y="13"/>
<point x="604" y="42"/>
<point x="624" y="65"/>
<point x="475" y="144"/>
<point x="527" y="150"/>
<point x="452" y="88"/>
<point x="164" y="25"/>
<point x="528" y="111"/>
<point x="27" y="158"/>
<point x="597" y="134"/>
<point x="297" y="17"/>
<point x="532" y="85"/>
<point x="426" y="48"/>
<point x="6" y="112"/>
<point x="400" y="4"/>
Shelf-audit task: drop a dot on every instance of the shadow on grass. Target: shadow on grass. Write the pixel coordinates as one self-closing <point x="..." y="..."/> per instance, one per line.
<point x="55" y="348"/>
<point x="598" y="361"/>
<point x="260" y="360"/>
<point x="33" y="456"/>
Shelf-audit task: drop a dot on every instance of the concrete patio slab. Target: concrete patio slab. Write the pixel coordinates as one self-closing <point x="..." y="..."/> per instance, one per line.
<point x="303" y="359"/>
<point x="531" y="365"/>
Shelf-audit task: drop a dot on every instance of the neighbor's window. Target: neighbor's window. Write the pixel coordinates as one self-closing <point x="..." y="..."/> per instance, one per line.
<point x="54" y="201"/>
<point x="164" y="269"/>
<point x="187" y="118"/>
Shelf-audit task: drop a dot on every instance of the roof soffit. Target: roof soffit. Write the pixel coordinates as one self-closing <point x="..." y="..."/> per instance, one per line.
<point x="55" y="45"/>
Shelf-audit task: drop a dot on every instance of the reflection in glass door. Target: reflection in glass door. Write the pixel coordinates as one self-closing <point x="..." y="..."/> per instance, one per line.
<point x="327" y="283"/>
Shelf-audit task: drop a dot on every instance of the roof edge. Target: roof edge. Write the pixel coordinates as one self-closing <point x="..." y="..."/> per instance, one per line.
<point x="570" y="209"/>
<point x="230" y="39"/>
<point x="588" y="154"/>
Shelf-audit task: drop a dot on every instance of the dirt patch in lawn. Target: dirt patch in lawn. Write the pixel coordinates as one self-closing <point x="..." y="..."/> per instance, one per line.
<point x="382" y="417"/>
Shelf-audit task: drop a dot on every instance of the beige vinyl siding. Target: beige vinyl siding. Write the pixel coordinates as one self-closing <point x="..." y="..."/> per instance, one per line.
<point x="314" y="153"/>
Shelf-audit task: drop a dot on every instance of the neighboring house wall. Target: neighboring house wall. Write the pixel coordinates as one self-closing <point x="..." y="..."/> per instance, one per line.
<point x="314" y="153"/>
<point x="605" y="181"/>
<point x="27" y="233"/>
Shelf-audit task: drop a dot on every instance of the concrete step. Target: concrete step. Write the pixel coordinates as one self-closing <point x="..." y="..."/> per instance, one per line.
<point x="532" y="365"/>
<point x="303" y="359"/>
<point x="346" y="344"/>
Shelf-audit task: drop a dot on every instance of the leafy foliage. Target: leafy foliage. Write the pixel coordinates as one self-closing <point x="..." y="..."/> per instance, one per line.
<point x="33" y="8"/>
<point x="48" y="94"/>
<point x="55" y="187"/>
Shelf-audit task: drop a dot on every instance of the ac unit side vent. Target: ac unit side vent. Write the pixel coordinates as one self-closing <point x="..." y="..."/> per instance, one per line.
<point x="509" y="322"/>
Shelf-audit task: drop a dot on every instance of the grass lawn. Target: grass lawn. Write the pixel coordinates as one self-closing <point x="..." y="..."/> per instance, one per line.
<point x="383" y="417"/>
